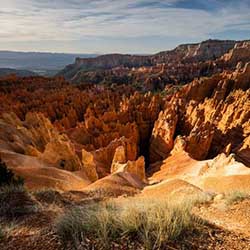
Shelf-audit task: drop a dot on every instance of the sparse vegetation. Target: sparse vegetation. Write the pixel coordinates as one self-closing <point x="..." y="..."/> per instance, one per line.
<point x="7" y="177"/>
<point x="48" y="196"/>
<point x="152" y="222"/>
<point x="232" y="197"/>
<point x="7" y="227"/>
<point x="16" y="201"/>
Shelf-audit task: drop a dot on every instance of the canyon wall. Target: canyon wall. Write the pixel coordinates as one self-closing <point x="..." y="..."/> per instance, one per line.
<point x="211" y="114"/>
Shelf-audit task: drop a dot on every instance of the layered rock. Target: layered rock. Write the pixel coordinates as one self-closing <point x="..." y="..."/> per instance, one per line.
<point x="98" y="68"/>
<point x="240" y="53"/>
<point x="199" y="140"/>
<point x="211" y="113"/>
<point x="35" y="150"/>
<point x="37" y="137"/>
<point x="120" y="164"/>
<point x="90" y="165"/>
<point x="162" y="139"/>
<point x="243" y="151"/>
<point x="100" y="161"/>
<point x="221" y="174"/>
<point x="61" y="152"/>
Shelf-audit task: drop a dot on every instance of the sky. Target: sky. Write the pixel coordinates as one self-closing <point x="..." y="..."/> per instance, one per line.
<point x="122" y="26"/>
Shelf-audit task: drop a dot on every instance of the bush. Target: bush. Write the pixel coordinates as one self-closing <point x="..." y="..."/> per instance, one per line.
<point x="15" y="201"/>
<point x="234" y="196"/>
<point x="48" y="196"/>
<point x="7" y="177"/>
<point x="152" y="222"/>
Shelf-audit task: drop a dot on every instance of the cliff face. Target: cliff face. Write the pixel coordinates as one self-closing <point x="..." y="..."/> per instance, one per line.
<point x="121" y="68"/>
<point x="239" y="54"/>
<point x="204" y="51"/>
<point x="179" y="66"/>
<point x="211" y="114"/>
<point x="112" y="61"/>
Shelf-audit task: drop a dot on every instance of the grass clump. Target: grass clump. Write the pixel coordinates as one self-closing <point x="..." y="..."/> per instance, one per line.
<point x="90" y="220"/>
<point x="155" y="223"/>
<point x="235" y="196"/>
<point x="16" y="201"/>
<point x="152" y="223"/>
<point x="48" y="196"/>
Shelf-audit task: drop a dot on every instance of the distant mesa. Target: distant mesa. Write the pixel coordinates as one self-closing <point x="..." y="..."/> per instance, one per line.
<point x="47" y="64"/>
<point x="17" y="72"/>
<point x="127" y="68"/>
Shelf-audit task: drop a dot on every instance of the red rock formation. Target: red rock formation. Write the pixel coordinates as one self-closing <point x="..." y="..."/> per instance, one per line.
<point x="177" y="66"/>
<point x="240" y="53"/>
<point x="162" y="139"/>
<point x="37" y="137"/>
<point x="121" y="164"/>
<point x="136" y="168"/>
<point x="212" y="113"/>
<point x="102" y="130"/>
<point x="102" y="158"/>
<point x="199" y="140"/>
<point x="98" y="68"/>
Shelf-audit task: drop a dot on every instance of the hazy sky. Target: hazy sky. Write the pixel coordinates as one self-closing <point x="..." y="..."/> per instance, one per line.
<point x="103" y="26"/>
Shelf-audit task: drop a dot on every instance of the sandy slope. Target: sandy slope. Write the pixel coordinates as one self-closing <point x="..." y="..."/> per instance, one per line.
<point x="39" y="175"/>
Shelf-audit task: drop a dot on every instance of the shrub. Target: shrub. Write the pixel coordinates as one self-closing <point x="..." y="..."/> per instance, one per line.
<point x="234" y="196"/>
<point x="15" y="201"/>
<point x="7" y="177"/>
<point x="152" y="222"/>
<point x="48" y="196"/>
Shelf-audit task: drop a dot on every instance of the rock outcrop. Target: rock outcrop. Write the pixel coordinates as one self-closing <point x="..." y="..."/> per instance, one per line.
<point x="99" y="162"/>
<point x="35" y="150"/>
<point x="162" y="139"/>
<point x="120" y="164"/>
<point x="239" y="54"/>
<point x="36" y="136"/>
<point x="210" y="114"/>
<point x="188" y="53"/>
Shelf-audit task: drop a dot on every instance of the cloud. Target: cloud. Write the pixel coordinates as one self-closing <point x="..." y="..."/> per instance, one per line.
<point x="66" y="20"/>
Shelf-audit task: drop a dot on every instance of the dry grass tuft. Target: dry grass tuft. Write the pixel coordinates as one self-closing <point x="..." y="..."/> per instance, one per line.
<point x="151" y="222"/>
<point x="235" y="196"/>
<point x="48" y="196"/>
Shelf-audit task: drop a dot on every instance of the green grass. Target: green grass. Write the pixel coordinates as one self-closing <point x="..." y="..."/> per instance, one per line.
<point x="151" y="222"/>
